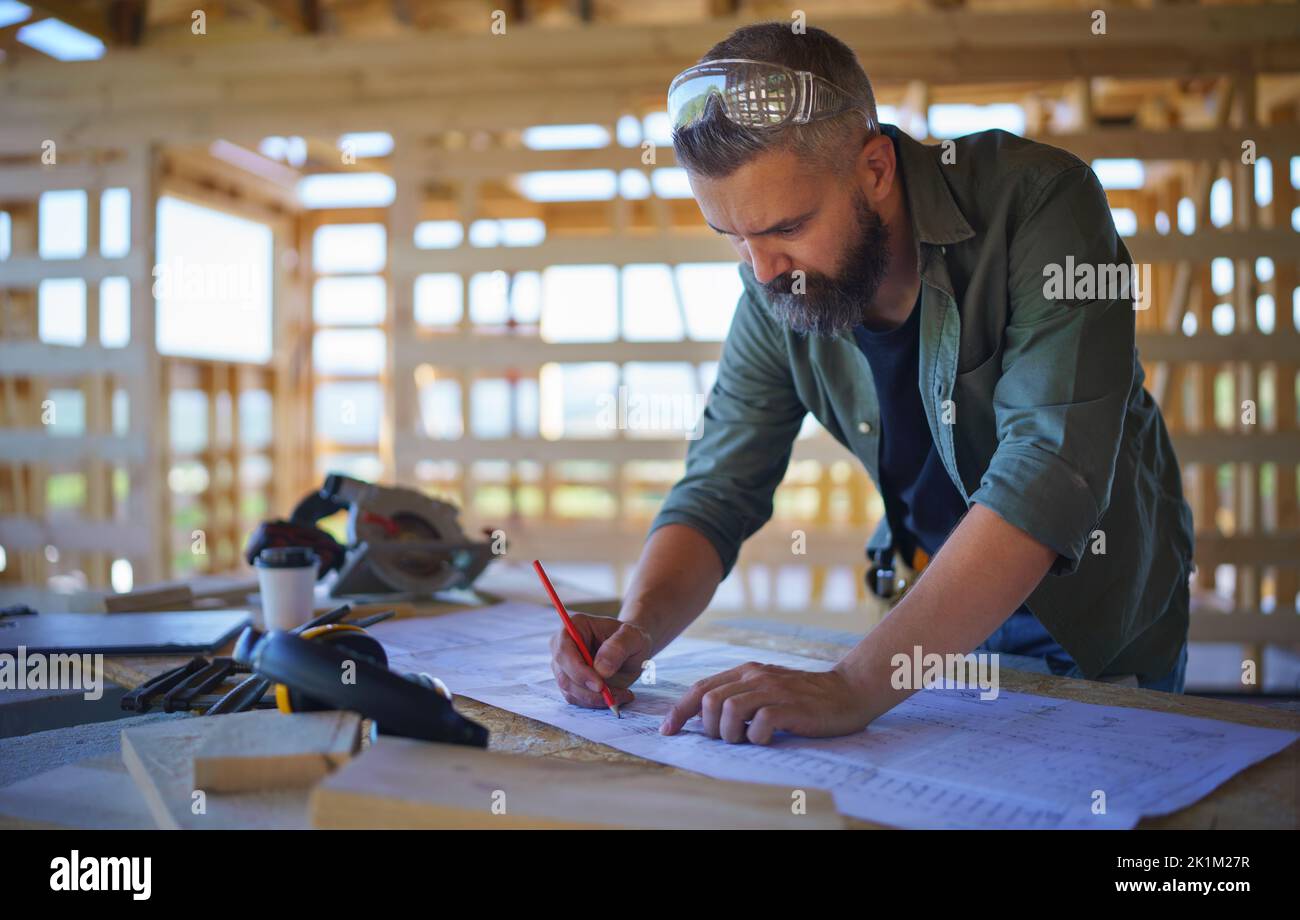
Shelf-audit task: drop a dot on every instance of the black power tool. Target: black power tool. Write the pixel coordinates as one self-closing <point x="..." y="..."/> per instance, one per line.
<point x="399" y="540"/>
<point x="339" y="666"/>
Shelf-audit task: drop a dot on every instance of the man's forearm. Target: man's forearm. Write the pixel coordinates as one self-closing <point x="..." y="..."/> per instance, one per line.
<point x="984" y="571"/>
<point x="674" y="581"/>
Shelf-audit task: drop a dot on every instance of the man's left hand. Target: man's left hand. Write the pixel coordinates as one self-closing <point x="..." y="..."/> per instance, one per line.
<point x="753" y="701"/>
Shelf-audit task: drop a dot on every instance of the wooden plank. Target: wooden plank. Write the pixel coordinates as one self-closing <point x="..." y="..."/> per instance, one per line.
<point x="1215" y="447"/>
<point x="1286" y="506"/>
<point x="1088" y="144"/>
<point x="1205" y="509"/>
<point x="1271" y="548"/>
<point x="401" y="395"/>
<point x="473" y="80"/>
<point x="28" y="271"/>
<point x="159" y="759"/>
<point x="198" y="592"/>
<point x="205" y="172"/>
<point x="680" y="247"/>
<point x="1244" y="626"/>
<point x="468" y="450"/>
<point x="1275" y="242"/>
<point x="96" y="392"/>
<point x="1207" y="346"/>
<point x="34" y="446"/>
<point x="264" y="750"/>
<point x="27" y="183"/>
<point x="527" y="353"/>
<point x="154" y="597"/>
<point x="291" y="386"/>
<point x="691" y="246"/>
<point x="407" y="784"/>
<point x="1176" y="144"/>
<point x="148" y="499"/>
<point x="70" y="533"/>
<point x="1198" y="32"/>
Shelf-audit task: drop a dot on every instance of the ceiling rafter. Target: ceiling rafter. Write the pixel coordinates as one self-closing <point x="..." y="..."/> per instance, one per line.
<point x="115" y="23"/>
<point x="305" y="16"/>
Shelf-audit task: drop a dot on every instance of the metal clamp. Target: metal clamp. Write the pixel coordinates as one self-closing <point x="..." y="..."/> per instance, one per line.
<point x="882" y="577"/>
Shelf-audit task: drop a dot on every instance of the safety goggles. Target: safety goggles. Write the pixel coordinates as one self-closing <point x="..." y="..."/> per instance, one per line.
<point x="755" y="94"/>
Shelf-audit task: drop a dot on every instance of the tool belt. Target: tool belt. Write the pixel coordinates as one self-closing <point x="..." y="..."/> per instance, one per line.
<point x="883" y="578"/>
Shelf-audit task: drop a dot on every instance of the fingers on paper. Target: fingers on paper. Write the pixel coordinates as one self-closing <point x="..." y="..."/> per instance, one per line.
<point x="692" y="701"/>
<point x="741" y="705"/>
<point x="771" y="719"/>
<point x="740" y="710"/>
<point x="579" y="695"/>
<point x="576" y="679"/>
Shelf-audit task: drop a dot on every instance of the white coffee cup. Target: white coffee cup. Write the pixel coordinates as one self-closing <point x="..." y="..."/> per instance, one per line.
<point x="286" y="576"/>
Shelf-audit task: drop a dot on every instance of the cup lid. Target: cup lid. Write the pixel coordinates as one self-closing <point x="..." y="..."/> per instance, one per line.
<point x="286" y="557"/>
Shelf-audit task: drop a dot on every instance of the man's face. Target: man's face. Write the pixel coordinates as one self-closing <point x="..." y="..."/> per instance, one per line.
<point x="784" y="219"/>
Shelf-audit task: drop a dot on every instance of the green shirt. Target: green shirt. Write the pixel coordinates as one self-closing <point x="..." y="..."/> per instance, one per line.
<point x="1035" y="401"/>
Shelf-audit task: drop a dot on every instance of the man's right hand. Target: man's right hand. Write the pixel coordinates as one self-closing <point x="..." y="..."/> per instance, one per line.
<point x="618" y="650"/>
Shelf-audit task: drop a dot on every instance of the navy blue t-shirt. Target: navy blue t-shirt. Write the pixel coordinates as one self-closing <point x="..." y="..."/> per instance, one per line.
<point x="921" y="503"/>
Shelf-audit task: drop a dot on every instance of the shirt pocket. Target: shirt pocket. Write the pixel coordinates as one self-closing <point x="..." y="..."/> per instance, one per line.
<point x="974" y="422"/>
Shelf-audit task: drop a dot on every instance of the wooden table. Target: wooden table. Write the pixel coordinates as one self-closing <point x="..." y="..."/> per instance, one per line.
<point x="1263" y="796"/>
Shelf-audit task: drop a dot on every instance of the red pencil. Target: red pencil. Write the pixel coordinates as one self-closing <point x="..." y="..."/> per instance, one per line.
<point x="573" y="634"/>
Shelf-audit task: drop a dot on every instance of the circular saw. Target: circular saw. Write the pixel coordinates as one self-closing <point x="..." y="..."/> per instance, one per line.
<point x="398" y="540"/>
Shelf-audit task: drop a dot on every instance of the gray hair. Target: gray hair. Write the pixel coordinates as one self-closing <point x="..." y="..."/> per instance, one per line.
<point x="716" y="146"/>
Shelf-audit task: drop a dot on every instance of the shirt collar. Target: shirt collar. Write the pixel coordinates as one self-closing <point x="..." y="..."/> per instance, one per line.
<point x="936" y="219"/>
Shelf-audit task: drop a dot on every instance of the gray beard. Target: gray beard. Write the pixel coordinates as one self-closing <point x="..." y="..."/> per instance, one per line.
<point x="829" y="306"/>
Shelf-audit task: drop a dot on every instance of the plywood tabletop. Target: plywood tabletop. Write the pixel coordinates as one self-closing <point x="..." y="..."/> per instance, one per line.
<point x="1263" y="796"/>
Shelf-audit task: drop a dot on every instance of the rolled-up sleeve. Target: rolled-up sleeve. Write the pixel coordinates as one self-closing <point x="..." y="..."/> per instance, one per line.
<point x="750" y="420"/>
<point x="1067" y="371"/>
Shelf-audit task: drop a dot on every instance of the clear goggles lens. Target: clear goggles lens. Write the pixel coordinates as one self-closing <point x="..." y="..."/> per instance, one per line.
<point x="753" y="96"/>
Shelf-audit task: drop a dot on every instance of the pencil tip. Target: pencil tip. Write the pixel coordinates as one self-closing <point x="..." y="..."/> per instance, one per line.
<point x="616" y="712"/>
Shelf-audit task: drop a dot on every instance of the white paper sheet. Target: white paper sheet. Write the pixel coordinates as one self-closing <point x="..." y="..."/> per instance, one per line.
<point x="943" y="758"/>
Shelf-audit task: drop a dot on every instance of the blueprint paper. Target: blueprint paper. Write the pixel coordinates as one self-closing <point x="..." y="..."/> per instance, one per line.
<point x="943" y="758"/>
<point x="420" y="635"/>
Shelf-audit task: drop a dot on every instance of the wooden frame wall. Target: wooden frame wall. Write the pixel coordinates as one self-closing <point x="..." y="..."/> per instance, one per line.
<point x="456" y="115"/>
<point x="29" y="454"/>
